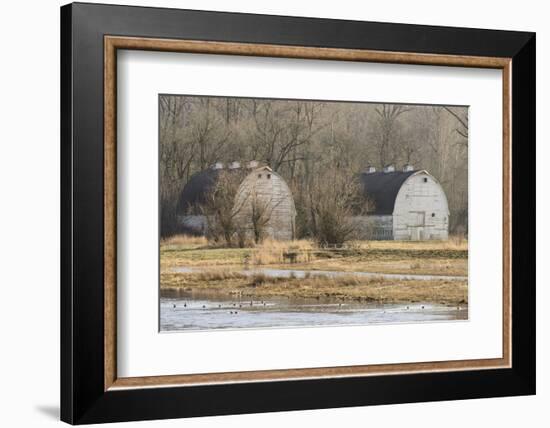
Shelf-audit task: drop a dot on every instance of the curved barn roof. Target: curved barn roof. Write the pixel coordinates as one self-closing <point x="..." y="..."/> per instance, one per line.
<point x="382" y="188"/>
<point x="200" y="184"/>
<point x="195" y="191"/>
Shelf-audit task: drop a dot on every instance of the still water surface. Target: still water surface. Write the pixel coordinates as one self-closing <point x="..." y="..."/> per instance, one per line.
<point x="181" y="311"/>
<point x="297" y="273"/>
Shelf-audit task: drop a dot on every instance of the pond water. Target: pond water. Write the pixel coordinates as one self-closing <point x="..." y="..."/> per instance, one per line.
<point x="182" y="311"/>
<point x="296" y="273"/>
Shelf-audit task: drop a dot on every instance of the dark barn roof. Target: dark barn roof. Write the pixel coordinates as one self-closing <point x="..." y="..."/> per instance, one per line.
<point x="382" y="188"/>
<point x="197" y="188"/>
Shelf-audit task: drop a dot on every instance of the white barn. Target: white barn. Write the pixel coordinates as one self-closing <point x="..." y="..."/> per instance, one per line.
<point x="261" y="190"/>
<point x="265" y="190"/>
<point x="405" y="205"/>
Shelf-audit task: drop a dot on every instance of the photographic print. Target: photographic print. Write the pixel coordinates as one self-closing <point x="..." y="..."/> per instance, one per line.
<point x="304" y="213"/>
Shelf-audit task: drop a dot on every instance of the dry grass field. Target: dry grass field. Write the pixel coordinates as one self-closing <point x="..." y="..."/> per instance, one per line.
<point x="221" y="269"/>
<point x="423" y="257"/>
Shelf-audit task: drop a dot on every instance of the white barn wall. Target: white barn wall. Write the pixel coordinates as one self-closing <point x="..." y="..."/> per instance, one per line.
<point x="418" y="198"/>
<point x="270" y="190"/>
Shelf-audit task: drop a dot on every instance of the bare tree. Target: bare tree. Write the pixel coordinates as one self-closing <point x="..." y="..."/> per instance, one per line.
<point x="209" y="133"/>
<point x="333" y="201"/>
<point x="220" y="208"/>
<point x="462" y="123"/>
<point x="387" y="121"/>
<point x="282" y="127"/>
<point x="260" y="216"/>
<point x="175" y="157"/>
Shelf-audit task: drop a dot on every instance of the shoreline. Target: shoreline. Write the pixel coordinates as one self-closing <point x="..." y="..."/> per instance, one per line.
<point x="345" y="287"/>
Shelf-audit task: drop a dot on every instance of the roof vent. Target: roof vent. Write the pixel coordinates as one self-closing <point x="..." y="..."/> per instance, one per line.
<point x="407" y="167"/>
<point x="217" y="165"/>
<point x="371" y="169"/>
<point x="389" y="168"/>
<point x="234" y="165"/>
<point x="253" y="164"/>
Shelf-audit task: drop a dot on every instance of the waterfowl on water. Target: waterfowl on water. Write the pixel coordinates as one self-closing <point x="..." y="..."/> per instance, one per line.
<point x="174" y="305"/>
<point x="185" y="305"/>
<point x="203" y="306"/>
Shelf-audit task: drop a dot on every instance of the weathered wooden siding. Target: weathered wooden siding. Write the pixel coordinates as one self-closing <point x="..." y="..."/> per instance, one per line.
<point x="193" y="224"/>
<point x="421" y="211"/>
<point x="374" y="227"/>
<point x="268" y="190"/>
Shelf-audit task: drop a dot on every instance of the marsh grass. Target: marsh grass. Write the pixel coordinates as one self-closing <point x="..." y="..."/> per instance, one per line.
<point x="183" y="240"/>
<point x="348" y="287"/>
<point x="216" y="275"/>
<point x="401" y="257"/>
<point x="455" y="243"/>
<point x="271" y="251"/>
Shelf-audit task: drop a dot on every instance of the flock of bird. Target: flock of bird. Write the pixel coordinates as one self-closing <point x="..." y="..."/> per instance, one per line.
<point x="262" y="303"/>
<point x="233" y="312"/>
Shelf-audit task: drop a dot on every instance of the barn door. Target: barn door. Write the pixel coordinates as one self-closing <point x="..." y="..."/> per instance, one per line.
<point x="418" y="218"/>
<point x="416" y="225"/>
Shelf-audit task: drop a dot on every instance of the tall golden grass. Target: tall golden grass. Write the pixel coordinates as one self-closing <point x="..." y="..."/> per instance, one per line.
<point x="185" y="240"/>
<point x="455" y="242"/>
<point x="207" y="277"/>
<point x="216" y="275"/>
<point x="271" y="251"/>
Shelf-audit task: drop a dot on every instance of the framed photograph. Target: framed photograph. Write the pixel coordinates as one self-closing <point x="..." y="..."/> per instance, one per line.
<point x="266" y="213"/>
